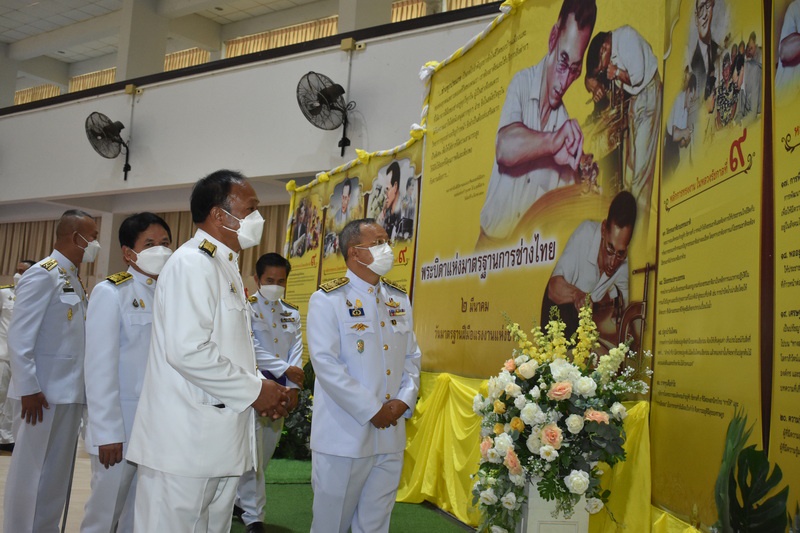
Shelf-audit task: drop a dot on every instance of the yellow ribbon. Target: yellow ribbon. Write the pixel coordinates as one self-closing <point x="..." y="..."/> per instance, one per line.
<point x="323" y="177"/>
<point x="511" y="5"/>
<point x="291" y="186"/>
<point x="363" y="156"/>
<point x="417" y="132"/>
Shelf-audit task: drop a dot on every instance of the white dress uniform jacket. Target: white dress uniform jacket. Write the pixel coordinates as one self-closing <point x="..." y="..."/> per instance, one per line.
<point x="6" y="308"/>
<point x="362" y="345"/>
<point x="119" y="321"/>
<point x="46" y="335"/>
<point x="194" y="417"/>
<point x="279" y="342"/>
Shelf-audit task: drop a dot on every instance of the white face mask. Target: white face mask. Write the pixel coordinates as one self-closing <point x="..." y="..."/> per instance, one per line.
<point x="17" y="277"/>
<point x="152" y="260"/>
<point x="91" y="250"/>
<point x="250" y="229"/>
<point x="382" y="258"/>
<point x="271" y="293"/>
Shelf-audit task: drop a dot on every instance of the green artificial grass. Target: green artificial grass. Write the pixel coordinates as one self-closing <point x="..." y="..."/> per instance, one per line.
<point x="289" y="500"/>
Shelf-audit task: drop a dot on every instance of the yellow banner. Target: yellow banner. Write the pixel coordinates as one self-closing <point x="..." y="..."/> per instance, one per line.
<point x="707" y="356"/>
<point x="784" y="442"/>
<point x="532" y="133"/>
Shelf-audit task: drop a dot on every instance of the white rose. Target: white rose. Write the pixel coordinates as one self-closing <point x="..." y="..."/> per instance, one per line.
<point x="529" y="414"/>
<point x="577" y="481"/>
<point x="574" y="424"/>
<point x="533" y="443"/>
<point x="509" y="501"/>
<point x="521" y="360"/>
<point x="593" y="505"/>
<point x="502" y="443"/>
<point x="497" y="529"/>
<point x="535" y="393"/>
<point x="528" y="370"/>
<point x="520" y="401"/>
<point x="548" y="453"/>
<point x="518" y="480"/>
<point x="493" y="456"/>
<point x="488" y="497"/>
<point x="618" y="411"/>
<point x="585" y="387"/>
<point x="513" y="390"/>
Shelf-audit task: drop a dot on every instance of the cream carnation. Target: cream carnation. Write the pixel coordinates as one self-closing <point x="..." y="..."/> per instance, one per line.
<point x="493" y="456"/>
<point x="532" y="414"/>
<point x="548" y="453"/>
<point x="535" y="393"/>
<point x="488" y="497"/>
<point x="618" y="411"/>
<point x="593" y="505"/>
<point x="564" y="371"/>
<point x="509" y="501"/>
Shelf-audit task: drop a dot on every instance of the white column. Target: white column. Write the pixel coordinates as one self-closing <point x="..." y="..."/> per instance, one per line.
<point x="8" y="77"/>
<point x="359" y="14"/>
<point x="142" y="40"/>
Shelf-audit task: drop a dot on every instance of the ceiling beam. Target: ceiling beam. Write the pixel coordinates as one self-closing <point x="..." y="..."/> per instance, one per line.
<point x="47" y="69"/>
<point x="197" y="31"/>
<point x="46" y="43"/>
<point x="180" y="8"/>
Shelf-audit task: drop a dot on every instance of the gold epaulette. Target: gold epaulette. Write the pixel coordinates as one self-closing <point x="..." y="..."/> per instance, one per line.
<point x="288" y="304"/>
<point x="6" y="286"/>
<point x="253" y="299"/>
<point x="208" y="247"/>
<point x="394" y="285"/>
<point x="48" y="263"/>
<point x="119" y="277"/>
<point x="334" y="284"/>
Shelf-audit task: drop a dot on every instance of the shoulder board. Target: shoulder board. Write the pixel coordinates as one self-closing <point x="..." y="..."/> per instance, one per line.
<point x="119" y="277"/>
<point x="208" y="247"/>
<point x="48" y="263"/>
<point x="253" y="299"/>
<point x="6" y="286"/>
<point x="291" y="305"/>
<point x="394" y="285"/>
<point x="334" y="284"/>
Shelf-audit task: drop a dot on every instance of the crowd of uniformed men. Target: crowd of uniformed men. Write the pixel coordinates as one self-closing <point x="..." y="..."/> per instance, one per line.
<point x="181" y="382"/>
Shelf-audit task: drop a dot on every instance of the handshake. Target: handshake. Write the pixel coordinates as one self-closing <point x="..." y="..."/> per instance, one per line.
<point x="274" y="400"/>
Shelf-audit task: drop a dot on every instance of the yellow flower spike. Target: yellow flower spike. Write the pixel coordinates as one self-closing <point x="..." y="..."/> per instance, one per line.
<point x="323" y="177"/>
<point x="363" y="156"/>
<point x="291" y="186"/>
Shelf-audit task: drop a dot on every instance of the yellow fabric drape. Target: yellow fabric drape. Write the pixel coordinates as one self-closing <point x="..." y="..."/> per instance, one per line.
<point x="92" y="79"/>
<point x="315" y="29"/>
<point x="663" y="522"/>
<point x="408" y="9"/>
<point x="186" y="58"/>
<point x="34" y="241"/>
<point x="33" y="94"/>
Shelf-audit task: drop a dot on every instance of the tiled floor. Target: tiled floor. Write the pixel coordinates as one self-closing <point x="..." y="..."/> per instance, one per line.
<point x="80" y="488"/>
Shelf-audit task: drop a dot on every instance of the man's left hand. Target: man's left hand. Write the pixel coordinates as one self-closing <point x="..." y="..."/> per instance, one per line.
<point x="293" y="395"/>
<point x="397" y="408"/>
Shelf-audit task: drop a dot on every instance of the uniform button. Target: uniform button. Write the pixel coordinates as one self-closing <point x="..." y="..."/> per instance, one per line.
<point x="149" y="281"/>
<point x="385" y="347"/>
<point x="273" y="309"/>
<point x="275" y="340"/>
<point x="274" y="324"/>
<point x="388" y="372"/>
<point x="388" y="396"/>
<point x="383" y="324"/>
<point x="369" y="290"/>
<point x="377" y="300"/>
<point x="230" y="256"/>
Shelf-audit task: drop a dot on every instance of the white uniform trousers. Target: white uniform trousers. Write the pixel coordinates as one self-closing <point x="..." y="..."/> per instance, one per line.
<point x="354" y="493"/>
<point x="251" y="495"/>
<point x="6" y="409"/>
<point x="111" y="488"/>
<point x="38" y="478"/>
<point x="178" y="504"/>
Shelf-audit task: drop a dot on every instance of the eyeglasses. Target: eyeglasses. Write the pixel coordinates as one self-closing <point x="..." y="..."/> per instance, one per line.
<point x="376" y="242"/>
<point x="613" y="253"/>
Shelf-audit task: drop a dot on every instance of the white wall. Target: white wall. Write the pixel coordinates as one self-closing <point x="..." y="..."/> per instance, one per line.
<point x="246" y="118"/>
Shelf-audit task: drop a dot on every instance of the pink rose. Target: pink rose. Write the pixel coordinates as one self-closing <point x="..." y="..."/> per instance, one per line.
<point x="596" y="416"/>
<point x="561" y="390"/>
<point x="512" y="463"/>
<point x="486" y="444"/>
<point x="552" y="436"/>
<point x="510" y="365"/>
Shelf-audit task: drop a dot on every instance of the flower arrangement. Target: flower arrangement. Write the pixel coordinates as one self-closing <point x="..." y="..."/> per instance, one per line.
<point x="553" y="414"/>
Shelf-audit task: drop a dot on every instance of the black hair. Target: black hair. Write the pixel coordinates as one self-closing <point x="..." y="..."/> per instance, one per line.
<point x="347" y="183"/>
<point x="593" y="53"/>
<point x="28" y="262"/>
<point x="691" y="84"/>
<point x="213" y="191"/>
<point x="622" y="211"/>
<point x="68" y="222"/>
<point x="134" y="225"/>
<point x="272" y="260"/>
<point x="351" y="233"/>
<point x="394" y="170"/>
<point x="584" y="11"/>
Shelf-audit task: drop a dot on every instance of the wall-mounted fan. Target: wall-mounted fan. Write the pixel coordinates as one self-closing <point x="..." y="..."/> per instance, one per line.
<point x="322" y="103"/>
<point x="103" y="135"/>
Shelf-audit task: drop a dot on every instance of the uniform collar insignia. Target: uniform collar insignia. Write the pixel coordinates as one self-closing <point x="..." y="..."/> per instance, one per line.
<point x="392" y="303"/>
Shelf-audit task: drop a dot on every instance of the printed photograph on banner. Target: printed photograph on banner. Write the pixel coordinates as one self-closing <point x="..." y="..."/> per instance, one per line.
<point x="306" y="226"/>
<point x="345" y="205"/>
<point x="393" y="200"/>
<point x="784" y="442"/>
<point x="708" y="295"/>
<point x="541" y="159"/>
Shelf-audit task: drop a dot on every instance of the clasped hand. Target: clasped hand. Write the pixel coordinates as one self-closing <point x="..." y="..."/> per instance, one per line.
<point x="389" y="413"/>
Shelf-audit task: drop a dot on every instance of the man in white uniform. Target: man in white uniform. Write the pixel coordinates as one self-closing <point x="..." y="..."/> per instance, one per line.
<point x="118" y="325"/>
<point x="538" y="146"/>
<point x="6" y="309"/>
<point x="194" y="431"/>
<point x="627" y="60"/>
<point x="279" y="354"/>
<point x="367" y="362"/>
<point x="594" y="262"/>
<point x="46" y="341"/>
